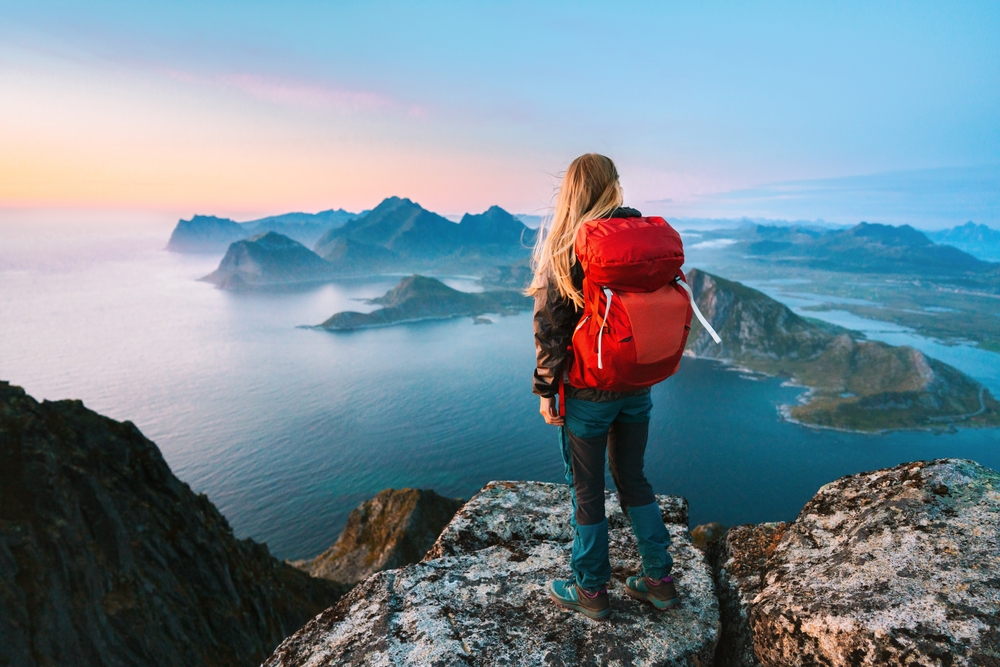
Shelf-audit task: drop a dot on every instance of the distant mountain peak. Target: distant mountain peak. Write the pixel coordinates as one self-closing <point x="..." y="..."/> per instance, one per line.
<point x="209" y="218"/>
<point x="903" y="234"/>
<point x="415" y="286"/>
<point x="274" y="241"/>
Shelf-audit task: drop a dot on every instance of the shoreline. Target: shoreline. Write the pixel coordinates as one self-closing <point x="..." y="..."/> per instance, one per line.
<point x="948" y="424"/>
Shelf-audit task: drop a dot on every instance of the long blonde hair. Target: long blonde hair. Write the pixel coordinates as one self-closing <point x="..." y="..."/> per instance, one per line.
<point x="589" y="190"/>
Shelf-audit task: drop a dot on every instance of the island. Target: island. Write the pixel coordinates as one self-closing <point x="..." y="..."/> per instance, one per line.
<point x="267" y="260"/>
<point x="419" y="298"/>
<point x="397" y="236"/>
<point x="853" y="384"/>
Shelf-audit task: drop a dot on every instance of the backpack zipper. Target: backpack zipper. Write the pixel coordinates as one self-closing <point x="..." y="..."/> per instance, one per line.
<point x="582" y="322"/>
<point x="600" y="337"/>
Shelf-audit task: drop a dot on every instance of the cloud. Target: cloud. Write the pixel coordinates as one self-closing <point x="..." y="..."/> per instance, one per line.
<point x="302" y="94"/>
<point x="927" y="198"/>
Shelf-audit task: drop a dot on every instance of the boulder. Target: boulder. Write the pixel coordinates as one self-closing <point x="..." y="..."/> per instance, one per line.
<point x="393" y="529"/>
<point x="899" y="566"/>
<point x="478" y="597"/>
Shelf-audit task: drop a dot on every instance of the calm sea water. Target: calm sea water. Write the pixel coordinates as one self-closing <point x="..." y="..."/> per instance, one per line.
<point x="287" y="429"/>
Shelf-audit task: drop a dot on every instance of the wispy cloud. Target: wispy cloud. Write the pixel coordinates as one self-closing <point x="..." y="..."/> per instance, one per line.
<point x="927" y="198"/>
<point x="303" y="94"/>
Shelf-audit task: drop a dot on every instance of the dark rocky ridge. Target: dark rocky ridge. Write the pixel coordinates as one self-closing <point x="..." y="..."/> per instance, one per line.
<point x="856" y="384"/>
<point x="421" y="298"/>
<point x="106" y="558"/>
<point x="393" y="529"/>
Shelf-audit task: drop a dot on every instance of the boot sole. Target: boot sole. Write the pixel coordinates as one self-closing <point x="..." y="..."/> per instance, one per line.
<point x="656" y="602"/>
<point x="596" y="614"/>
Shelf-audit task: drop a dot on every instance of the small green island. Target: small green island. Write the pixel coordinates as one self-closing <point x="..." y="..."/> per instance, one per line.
<point x="418" y="298"/>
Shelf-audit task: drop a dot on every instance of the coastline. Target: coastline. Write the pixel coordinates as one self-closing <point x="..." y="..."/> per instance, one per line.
<point x="948" y="424"/>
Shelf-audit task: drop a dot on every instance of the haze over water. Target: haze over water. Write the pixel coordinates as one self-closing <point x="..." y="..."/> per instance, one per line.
<point x="287" y="429"/>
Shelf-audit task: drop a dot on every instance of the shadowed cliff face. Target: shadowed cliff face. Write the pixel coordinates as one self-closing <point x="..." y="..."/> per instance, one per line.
<point x="393" y="529"/>
<point x="106" y="558"/>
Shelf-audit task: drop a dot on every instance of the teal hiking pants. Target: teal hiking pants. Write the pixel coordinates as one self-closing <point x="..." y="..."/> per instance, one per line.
<point x="621" y="428"/>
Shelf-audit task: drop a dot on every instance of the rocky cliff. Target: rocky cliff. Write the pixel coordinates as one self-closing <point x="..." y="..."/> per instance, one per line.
<point x="478" y="597"/>
<point x="899" y="566"/>
<point x="106" y="558"/>
<point x="887" y="568"/>
<point x="393" y="529"/>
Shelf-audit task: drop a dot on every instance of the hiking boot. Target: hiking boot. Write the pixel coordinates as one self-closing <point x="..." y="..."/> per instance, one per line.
<point x="568" y="595"/>
<point x="661" y="594"/>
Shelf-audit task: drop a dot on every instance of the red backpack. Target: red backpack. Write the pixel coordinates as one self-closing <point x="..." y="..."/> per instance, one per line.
<point x="637" y="307"/>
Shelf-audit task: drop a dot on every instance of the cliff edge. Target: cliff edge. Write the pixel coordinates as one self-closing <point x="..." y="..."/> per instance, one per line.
<point x="899" y="566"/>
<point x="478" y="597"/>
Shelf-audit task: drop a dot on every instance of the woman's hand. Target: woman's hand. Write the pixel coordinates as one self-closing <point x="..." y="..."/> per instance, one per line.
<point x="548" y="409"/>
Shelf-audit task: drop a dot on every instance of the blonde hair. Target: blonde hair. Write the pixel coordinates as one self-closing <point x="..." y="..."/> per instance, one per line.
<point x="589" y="190"/>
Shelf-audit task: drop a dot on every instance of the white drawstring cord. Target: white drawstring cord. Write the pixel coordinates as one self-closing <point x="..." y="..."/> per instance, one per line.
<point x="600" y="337"/>
<point x="701" y="318"/>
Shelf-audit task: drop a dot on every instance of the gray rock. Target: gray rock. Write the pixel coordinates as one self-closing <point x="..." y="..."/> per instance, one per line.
<point x="478" y="598"/>
<point x="899" y="566"/>
<point x="393" y="529"/>
<point x="510" y="512"/>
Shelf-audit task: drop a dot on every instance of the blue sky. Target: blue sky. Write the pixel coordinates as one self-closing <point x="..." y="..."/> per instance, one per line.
<point x="261" y="107"/>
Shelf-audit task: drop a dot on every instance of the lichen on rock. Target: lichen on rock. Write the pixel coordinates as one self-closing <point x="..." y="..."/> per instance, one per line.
<point x="478" y="598"/>
<point x="899" y="566"/>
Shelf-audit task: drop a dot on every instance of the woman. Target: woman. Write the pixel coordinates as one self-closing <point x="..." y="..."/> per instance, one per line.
<point x="595" y="420"/>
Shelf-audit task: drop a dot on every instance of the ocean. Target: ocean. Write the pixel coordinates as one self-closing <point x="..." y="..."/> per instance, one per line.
<point x="286" y="429"/>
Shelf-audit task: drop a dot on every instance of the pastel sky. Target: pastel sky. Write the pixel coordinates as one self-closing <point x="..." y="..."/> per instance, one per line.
<point x="247" y="108"/>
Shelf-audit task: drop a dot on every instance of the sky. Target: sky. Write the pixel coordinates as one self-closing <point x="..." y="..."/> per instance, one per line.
<point x="886" y="111"/>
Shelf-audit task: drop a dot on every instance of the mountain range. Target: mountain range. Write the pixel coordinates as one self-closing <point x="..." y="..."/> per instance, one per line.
<point x="978" y="240"/>
<point x="208" y="233"/>
<point x="397" y="236"/>
<point x="417" y="239"/>
<point x="867" y="248"/>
